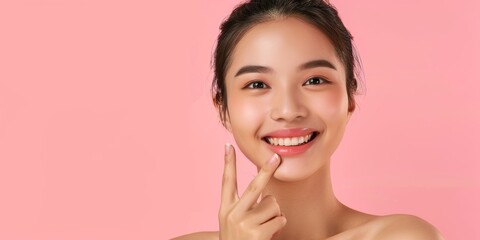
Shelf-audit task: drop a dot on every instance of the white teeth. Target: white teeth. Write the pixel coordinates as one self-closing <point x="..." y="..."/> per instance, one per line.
<point x="289" y="141"/>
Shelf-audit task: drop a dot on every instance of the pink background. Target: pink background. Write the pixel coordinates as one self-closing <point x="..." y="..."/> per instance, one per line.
<point x="107" y="130"/>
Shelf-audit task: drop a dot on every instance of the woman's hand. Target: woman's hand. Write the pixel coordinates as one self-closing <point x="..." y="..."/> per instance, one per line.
<point x="244" y="218"/>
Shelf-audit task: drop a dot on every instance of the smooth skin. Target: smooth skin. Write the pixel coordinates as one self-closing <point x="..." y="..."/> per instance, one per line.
<point x="239" y="222"/>
<point x="244" y="218"/>
<point x="297" y="200"/>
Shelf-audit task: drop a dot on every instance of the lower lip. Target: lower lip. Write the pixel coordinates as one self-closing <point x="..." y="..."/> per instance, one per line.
<point x="286" y="151"/>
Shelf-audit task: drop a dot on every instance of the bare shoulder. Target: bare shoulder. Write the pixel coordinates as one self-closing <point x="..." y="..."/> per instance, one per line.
<point x="198" y="236"/>
<point x="405" y="226"/>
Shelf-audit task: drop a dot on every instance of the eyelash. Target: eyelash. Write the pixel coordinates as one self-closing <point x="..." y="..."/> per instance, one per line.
<point x="320" y="79"/>
<point x="250" y="84"/>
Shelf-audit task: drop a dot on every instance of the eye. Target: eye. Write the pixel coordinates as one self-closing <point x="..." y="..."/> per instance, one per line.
<point x="256" y="85"/>
<point x="315" y="81"/>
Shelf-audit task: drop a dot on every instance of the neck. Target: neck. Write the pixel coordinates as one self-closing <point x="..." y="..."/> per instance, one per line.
<point x="310" y="206"/>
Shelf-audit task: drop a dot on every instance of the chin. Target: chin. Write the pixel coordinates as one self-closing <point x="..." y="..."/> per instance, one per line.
<point x="289" y="177"/>
<point x="294" y="170"/>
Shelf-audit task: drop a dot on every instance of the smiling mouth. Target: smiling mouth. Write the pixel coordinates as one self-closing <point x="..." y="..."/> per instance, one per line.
<point x="293" y="141"/>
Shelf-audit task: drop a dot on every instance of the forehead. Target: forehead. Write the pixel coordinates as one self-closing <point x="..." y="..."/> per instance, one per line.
<point x="283" y="45"/>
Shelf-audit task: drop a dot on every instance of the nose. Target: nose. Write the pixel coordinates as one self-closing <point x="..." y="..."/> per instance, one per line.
<point x="288" y="105"/>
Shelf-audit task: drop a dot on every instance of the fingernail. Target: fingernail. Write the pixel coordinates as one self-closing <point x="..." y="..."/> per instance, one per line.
<point x="227" y="147"/>
<point x="274" y="159"/>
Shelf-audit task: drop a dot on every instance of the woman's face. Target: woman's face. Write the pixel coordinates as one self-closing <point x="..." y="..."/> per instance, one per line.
<point x="285" y="86"/>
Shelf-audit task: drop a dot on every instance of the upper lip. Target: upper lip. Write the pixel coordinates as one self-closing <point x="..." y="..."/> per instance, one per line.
<point x="290" y="132"/>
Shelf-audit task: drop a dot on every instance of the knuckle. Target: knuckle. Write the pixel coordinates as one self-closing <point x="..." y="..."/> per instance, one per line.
<point x="274" y="204"/>
<point x="281" y="221"/>
<point x="252" y="188"/>
<point x="231" y="218"/>
<point x="272" y="198"/>
<point x="227" y="158"/>
<point x="265" y="170"/>
<point x="225" y="179"/>
<point x="222" y="213"/>
<point x="276" y="209"/>
<point x="243" y="225"/>
<point x="267" y="197"/>
<point x="227" y="214"/>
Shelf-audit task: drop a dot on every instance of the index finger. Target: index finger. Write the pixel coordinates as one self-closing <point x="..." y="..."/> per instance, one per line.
<point x="257" y="185"/>
<point x="229" y="181"/>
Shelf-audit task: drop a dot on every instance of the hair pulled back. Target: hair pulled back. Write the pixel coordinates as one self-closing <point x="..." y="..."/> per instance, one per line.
<point x="319" y="13"/>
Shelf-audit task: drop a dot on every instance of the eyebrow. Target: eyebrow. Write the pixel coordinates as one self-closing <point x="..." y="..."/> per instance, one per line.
<point x="317" y="63"/>
<point x="304" y="66"/>
<point x="253" y="69"/>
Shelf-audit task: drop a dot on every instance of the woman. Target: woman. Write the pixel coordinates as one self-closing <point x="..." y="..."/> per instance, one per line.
<point x="284" y="86"/>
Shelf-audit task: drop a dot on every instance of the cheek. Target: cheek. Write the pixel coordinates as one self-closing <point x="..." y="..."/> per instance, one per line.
<point x="334" y="109"/>
<point x="246" y="114"/>
<point x="333" y="105"/>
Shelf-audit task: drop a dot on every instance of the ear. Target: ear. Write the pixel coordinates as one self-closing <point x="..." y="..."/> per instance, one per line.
<point x="350" y="113"/>
<point x="351" y="109"/>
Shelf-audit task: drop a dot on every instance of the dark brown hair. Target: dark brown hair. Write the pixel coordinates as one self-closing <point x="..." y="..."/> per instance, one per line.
<point x="319" y="13"/>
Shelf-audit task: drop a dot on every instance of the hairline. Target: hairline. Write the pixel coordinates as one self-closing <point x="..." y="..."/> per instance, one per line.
<point x="276" y="16"/>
